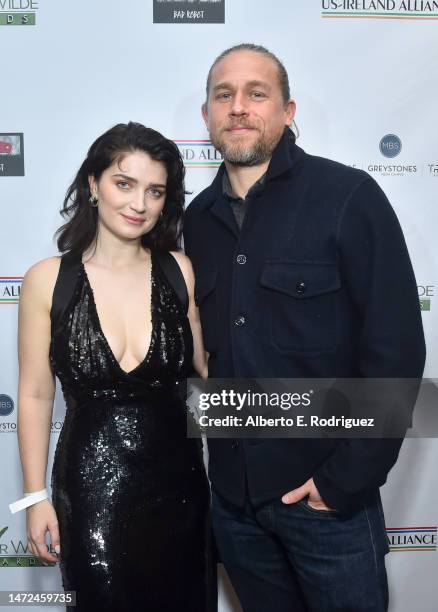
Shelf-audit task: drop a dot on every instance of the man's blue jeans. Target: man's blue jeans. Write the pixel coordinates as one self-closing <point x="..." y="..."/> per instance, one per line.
<point x="292" y="558"/>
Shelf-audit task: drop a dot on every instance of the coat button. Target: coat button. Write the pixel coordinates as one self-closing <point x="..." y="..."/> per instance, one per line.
<point x="241" y="259"/>
<point x="239" y="321"/>
<point x="301" y="287"/>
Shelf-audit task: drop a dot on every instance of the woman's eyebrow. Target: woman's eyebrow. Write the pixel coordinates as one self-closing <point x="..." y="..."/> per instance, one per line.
<point x="134" y="180"/>
<point x="125" y="176"/>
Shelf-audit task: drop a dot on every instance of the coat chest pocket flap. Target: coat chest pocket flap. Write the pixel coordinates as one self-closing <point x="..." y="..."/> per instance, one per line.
<point x="300" y="280"/>
<point x="302" y="305"/>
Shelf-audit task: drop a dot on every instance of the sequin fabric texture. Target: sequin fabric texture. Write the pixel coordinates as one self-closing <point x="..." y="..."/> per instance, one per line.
<point x="128" y="486"/>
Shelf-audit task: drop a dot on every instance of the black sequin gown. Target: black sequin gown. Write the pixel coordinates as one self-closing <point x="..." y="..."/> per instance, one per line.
<point x="128" y="486"/>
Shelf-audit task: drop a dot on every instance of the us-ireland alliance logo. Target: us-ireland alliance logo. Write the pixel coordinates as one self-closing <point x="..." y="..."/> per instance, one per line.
<point x="379" y="9"/>
<point x="199" y="154"/>
<point x="10" y="287"/>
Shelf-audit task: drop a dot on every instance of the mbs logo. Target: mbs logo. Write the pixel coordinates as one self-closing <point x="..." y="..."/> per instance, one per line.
<point x="18" y="12"/>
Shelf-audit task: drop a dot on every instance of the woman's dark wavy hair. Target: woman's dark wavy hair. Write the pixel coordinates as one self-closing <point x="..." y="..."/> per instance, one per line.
<point x="80" y="231"/>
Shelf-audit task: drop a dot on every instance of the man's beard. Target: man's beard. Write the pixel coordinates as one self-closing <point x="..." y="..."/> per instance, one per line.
<point x="241" y="154"/>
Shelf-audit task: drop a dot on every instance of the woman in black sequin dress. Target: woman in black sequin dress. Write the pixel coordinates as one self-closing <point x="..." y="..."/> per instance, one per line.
<point x="129" y="489"/>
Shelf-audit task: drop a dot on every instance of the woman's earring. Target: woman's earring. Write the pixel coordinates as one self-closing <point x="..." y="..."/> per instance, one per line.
<point x="93" y="201"/>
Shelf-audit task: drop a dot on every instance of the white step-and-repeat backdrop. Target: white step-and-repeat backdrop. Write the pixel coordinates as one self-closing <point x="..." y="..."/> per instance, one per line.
<point x="363" y="74"/>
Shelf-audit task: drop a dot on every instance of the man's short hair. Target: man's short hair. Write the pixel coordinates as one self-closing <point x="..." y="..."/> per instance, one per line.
<point x="282" y="72"/>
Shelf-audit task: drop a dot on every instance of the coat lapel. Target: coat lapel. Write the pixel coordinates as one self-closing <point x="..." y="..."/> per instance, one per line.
<point x="221" y="209"/>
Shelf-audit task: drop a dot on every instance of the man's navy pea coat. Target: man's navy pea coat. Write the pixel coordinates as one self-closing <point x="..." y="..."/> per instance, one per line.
<point x="317" y="283"/>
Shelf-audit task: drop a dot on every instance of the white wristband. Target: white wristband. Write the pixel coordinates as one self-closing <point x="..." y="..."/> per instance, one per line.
<point x="29" y="500"/>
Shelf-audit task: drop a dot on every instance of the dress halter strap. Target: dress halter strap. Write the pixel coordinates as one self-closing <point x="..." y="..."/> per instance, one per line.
<point x="64" y="286"/>
<point x="172" y="272"/>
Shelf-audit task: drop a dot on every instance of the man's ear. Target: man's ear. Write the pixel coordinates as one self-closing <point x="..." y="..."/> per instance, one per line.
<point x="204" y="110"/>
<point x="290" y="110"/>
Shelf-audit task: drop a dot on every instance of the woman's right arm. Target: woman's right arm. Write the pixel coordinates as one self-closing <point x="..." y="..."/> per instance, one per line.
<point x="36" y="390"/>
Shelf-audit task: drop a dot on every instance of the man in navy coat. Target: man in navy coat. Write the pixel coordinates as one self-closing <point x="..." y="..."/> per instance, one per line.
<point x="301" y="271"/>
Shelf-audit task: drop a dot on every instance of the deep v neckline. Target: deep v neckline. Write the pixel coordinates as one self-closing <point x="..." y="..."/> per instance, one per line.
<point x="101" y="332"/>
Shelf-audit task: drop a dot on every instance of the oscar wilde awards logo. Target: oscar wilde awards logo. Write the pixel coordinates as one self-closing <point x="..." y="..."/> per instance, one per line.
<point x="11" y="154"/>
<point x="426" y="293"/>
<point x="189" y="11"/>
<point x="412" y="539"/>
<point x="18" y="12"/>
<point x="379" y="9"/>
<point x="14" y="552"/>
<point x="199" y="154"/>
<point x="6" y="409"/>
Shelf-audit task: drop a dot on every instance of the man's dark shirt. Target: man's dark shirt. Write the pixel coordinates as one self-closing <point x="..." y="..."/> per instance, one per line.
<point x="239" y="205"/>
